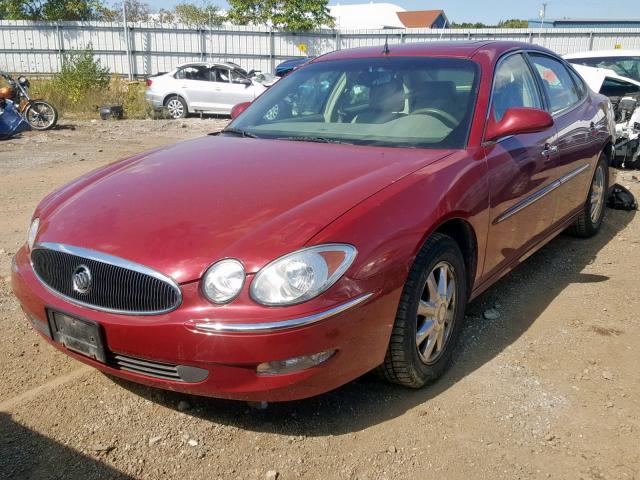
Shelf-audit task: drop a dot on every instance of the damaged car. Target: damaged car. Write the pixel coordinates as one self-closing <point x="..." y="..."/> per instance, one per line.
<point x="205" y="87"/>
<point x="616" y="74"/>
<point x="288" y="255"/>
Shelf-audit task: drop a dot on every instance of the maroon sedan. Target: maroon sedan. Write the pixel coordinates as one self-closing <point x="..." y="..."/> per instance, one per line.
<point x="340" y="224"/>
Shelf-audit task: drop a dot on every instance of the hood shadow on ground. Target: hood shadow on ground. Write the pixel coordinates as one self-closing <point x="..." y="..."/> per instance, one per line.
<point x="367" y="401"/>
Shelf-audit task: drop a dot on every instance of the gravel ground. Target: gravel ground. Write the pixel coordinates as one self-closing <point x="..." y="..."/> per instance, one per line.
<point x="545" y="385"/>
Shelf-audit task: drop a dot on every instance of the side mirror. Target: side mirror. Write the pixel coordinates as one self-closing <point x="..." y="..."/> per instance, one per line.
<point x="518" y="120"/>
<point x="246" y="82"/>
<point x="239" y="108"/>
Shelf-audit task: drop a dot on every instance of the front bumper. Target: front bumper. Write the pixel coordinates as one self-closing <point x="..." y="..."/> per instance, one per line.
<point x="228" y="357"/>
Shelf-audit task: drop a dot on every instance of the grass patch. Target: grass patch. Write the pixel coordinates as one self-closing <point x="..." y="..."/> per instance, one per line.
<point x="85" y="104"/>
<point x="83" y="85"/>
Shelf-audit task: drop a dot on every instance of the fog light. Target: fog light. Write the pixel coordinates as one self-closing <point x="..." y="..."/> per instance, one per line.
<point x="294" y="364"/>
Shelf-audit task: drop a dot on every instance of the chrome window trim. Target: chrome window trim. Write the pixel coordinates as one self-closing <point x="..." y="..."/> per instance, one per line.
<point x="110" y="260"/>
<point x="564" y="63"/>
<point x="266" y="327"/>
<point x="538" y="194"/>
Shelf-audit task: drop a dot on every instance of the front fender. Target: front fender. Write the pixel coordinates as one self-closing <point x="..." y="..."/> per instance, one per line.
<point x="390" y="227"/>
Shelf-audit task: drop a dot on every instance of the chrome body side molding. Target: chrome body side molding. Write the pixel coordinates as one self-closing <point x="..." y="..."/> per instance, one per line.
<point x="537" y="195"/>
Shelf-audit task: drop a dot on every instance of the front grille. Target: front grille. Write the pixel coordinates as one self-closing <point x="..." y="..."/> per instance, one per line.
<point x="163" y="371"/>
<point x="154" y="369"/>
<point x="115" y="285"/>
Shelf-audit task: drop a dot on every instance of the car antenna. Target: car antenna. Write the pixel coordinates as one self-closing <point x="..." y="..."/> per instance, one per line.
<point x="385" y="49"/>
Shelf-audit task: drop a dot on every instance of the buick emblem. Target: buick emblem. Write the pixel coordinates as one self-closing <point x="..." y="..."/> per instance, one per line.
<point x="82" y="279"/>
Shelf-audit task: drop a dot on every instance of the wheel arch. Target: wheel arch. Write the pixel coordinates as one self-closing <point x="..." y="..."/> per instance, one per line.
<point x="463" y="233"/>
<point x="169" y="95"/>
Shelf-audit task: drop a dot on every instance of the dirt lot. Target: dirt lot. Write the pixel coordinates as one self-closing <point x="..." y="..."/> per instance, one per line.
<point x="550" y="389"/>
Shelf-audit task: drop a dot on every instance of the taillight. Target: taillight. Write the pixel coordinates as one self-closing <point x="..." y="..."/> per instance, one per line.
<point x="149" y="82"/>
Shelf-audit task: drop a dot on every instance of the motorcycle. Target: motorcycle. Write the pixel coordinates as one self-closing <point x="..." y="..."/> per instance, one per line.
<point x="38" y="113"/>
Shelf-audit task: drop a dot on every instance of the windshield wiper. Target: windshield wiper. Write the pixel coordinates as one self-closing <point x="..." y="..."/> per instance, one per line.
<point x="239" y="132"/>
<point x="313" y="139"/>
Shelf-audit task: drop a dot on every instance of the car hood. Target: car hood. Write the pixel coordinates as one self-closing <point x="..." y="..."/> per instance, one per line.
<point x="180" y="208"/>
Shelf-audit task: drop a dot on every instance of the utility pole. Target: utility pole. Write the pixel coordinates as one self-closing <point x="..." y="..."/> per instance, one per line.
<point x="126" y="38"/>
<point x="543" y="12"/>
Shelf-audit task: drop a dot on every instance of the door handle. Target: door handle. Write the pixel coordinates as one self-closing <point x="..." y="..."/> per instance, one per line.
<point x="549" y="150"/>
<point x="592" y="128"/>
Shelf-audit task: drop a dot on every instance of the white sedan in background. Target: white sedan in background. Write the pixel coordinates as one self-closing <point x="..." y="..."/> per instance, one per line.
<point x="205" y="87"/>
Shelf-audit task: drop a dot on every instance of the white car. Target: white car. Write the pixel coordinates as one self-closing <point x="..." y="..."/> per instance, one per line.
<point x="625" y="63"/>
<point x="205" y="87"/>
<point x="616" y="74"/>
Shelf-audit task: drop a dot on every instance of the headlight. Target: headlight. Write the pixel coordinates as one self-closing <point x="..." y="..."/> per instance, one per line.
<point x="33" y="231"/>
<point x="223" y="281"/>
<point x="301" y="275"/>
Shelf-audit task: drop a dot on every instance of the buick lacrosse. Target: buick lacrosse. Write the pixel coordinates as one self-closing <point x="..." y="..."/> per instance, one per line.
<point x="339" y="224"/>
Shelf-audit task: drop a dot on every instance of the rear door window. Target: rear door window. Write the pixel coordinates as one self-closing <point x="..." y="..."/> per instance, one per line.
<point x="193" y="72"/>
<point x="560" y="88"/>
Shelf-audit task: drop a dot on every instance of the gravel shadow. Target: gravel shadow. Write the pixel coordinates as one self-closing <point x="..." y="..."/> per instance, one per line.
<point x="27" y="455"/>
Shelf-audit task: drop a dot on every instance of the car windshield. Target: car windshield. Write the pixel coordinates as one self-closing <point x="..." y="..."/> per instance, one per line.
<point x="395" y="101"/>
<point x="624" y="66"/>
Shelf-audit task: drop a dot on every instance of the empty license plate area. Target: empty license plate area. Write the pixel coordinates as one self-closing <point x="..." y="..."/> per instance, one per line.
<point x="80" y="335"/>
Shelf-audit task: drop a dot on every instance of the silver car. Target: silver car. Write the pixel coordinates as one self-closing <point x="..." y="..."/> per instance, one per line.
<point x="205" y="87"/>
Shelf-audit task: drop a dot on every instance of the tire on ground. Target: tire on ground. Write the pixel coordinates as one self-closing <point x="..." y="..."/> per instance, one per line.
<point x="402" y="363"/>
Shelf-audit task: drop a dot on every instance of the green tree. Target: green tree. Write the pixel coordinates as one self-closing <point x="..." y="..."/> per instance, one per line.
<point x="166" y="16"/>
<point x="137" y="11"/>
<point x="468" y="25"/>
<point x="294" y="15"/>
<point x="513" y="23"/>
<point x="50" y="10"/>
<point x="198" y="16"/>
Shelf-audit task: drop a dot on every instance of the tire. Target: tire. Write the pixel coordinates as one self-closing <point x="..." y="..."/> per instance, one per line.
<point x="590" y="219"/>
<point x="41" y="115"/>
<point x="408" y="361"/>
<point x="176" y="107"/>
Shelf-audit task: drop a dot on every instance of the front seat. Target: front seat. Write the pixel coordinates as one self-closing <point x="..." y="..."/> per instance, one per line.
<point x="440" y="95"/>
<point x="386" y="103"/>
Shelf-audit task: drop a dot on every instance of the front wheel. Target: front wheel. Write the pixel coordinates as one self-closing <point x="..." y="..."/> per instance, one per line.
<point x="590" y="219"/>
<point x="41" y="115"/>
<point x="430" y="315"/>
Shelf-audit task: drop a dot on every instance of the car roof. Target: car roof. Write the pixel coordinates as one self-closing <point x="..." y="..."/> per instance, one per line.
<point x="209" y="64"/>
<point x="618" y="52"/>
<point x="460" y="49"/>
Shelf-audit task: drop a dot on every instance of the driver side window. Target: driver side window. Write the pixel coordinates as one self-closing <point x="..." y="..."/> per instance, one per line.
<point x="514" y="86"/>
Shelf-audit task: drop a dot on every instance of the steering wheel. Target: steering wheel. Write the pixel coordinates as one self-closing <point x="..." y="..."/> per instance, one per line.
<point x="445" y="117"/>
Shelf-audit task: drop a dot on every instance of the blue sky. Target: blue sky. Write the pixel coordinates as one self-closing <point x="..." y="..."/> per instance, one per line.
<point x="491" y="11"/>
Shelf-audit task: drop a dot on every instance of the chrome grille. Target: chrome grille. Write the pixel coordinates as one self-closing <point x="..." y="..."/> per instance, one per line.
<point x="117" y="285"/>
<point x="163" y="371"/>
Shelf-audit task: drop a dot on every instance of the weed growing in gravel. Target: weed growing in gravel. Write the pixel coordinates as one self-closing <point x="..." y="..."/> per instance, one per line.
<point x="84" y="85"/>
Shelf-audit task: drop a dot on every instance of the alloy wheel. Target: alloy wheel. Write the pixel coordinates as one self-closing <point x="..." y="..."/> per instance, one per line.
<point x="597" y="194"/>
<point x="175" y="108"/>
<point x="436" y="313"/>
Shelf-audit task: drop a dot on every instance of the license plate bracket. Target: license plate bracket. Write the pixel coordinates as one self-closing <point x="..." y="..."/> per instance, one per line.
<point x="77" y="334"/>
